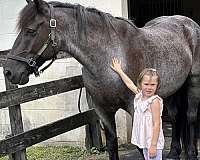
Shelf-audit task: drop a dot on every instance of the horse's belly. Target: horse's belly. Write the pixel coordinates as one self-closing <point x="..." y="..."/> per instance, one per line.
<point x="172" y="80"/>
<point x="174" y="63"/>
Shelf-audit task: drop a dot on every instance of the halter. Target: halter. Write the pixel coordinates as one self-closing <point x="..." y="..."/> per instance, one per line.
<point x="31" y="62"/>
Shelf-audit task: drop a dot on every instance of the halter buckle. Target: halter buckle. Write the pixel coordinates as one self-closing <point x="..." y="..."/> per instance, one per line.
<point x="52" y="23"/>
<point x="31" y="62"/>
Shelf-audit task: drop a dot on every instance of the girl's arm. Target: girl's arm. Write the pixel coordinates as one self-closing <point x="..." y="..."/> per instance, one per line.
<point x="155" y="108"/>
<point x="116" y="66"/>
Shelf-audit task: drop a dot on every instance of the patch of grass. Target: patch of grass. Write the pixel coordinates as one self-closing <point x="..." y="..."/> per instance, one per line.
<point x="57" y="153"/>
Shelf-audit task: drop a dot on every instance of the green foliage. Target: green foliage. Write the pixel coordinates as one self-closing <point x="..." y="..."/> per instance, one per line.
<point x="57" y="153"/>
<point x="2" y="157"/>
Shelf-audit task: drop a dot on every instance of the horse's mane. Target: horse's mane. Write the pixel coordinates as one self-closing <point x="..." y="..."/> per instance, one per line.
<point x="29" y="12"/>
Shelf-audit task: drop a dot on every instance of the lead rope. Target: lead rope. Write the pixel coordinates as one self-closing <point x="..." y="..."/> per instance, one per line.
<point x="79" y="100"/>
<point x="79" y="108"/>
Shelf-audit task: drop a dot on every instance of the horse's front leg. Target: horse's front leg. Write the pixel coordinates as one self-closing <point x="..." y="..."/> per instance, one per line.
<point x="111" y="136"/>
<point x="108" y="119"/>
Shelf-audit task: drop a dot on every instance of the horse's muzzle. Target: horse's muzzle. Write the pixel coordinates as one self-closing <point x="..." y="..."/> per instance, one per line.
<point x="16" y="79"/>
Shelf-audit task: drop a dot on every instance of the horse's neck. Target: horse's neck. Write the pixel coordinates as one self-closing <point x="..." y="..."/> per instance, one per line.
<point x="100" y="41"/>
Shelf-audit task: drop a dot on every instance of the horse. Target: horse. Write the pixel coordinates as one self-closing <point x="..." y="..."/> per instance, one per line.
<point x="170" y="44"/>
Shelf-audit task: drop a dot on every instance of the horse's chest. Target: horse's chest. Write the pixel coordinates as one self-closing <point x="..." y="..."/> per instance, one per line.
<point x="100" y="85"/>
<point x="104" y="88"/>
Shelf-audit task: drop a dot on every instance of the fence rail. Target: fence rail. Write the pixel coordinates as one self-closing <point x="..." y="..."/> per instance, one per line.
<point x="15" y="144"/>
<point x="34" y="136"/>
<point x="17" y="96"/>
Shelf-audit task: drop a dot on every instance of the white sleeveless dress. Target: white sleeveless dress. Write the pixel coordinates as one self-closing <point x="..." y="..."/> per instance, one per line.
<point x="143" y="124"/>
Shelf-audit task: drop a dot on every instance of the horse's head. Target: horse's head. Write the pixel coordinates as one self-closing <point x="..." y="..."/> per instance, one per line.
<point x="47" y="28"/>
<point x="35" y="43"/>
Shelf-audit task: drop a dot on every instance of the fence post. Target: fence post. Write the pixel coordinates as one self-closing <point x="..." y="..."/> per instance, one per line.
<point x="10" y="156"/>
<point x="16" y="123"/>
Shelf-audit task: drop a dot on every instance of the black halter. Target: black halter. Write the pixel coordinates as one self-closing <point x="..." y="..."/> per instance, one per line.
<point x="31" y="62"/>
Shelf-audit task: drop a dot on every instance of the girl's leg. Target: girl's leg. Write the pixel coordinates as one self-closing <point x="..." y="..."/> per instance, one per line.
<point x="147" y="157"/>
<point x="145" y="153"/>
<point x="158" y="155"/>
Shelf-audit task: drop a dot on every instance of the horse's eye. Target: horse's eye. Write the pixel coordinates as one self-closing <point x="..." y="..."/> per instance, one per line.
<point x="30" y="31"/>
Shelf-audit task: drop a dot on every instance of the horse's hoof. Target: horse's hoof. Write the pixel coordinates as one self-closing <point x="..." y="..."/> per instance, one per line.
<point x="192" y="158"/>
<point x="192" y="155"/>
<point x="167" y="158"/>
<point x="173" y="155"/>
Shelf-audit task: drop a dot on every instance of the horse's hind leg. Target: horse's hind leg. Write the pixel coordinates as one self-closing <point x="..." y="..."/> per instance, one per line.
<point x="191" y="131"/>
<point x="193" y="103"/>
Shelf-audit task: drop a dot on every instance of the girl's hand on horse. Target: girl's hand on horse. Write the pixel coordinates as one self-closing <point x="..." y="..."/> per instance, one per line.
<point x="116" y="65"/>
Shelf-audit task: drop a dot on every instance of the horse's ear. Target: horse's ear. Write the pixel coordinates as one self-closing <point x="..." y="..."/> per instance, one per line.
<point x="42" y="6"/>
<point x="28" y="1"/>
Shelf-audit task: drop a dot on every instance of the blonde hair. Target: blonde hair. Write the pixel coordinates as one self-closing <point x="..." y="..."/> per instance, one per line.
<point x="150" y="72"/>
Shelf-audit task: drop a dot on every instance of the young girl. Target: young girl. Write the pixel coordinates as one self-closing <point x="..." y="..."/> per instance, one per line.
<point x="147" y="131"/>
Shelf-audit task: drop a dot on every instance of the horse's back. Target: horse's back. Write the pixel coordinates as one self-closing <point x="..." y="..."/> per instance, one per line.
<point x="176" y="19"/>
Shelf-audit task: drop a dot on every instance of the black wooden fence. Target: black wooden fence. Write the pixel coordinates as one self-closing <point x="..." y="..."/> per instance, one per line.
<point x="15" y="144"/>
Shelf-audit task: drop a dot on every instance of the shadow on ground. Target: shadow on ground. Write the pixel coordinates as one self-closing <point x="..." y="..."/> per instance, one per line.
<point x="129" y="152"/>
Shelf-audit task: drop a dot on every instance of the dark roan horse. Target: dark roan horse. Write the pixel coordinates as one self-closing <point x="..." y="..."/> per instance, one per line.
<point x="169" y="44"/>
